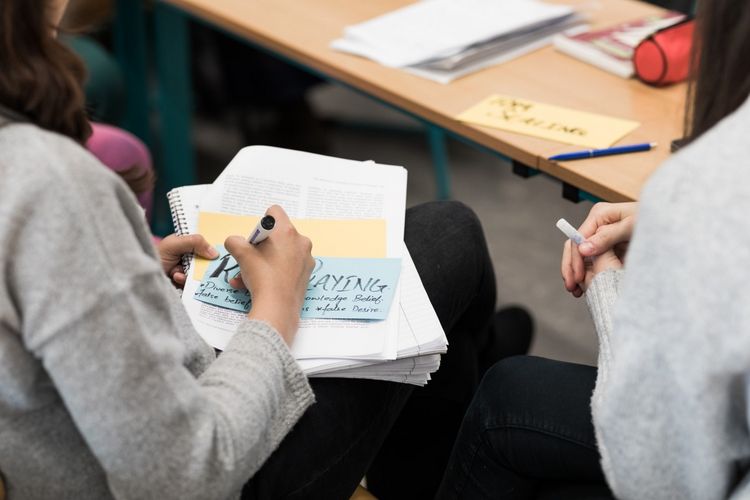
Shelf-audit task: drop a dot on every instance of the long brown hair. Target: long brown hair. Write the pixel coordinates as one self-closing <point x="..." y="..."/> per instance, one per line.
<point x="39" y="77"/>
<point x="721" y="63"/>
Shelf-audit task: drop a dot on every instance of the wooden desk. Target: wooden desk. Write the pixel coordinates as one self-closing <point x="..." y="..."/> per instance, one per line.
<point x="302" y="31"/>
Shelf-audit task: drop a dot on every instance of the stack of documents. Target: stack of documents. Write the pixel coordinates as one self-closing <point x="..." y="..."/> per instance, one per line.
<point x="445" y="39"/>
<point x="350" y="210"/>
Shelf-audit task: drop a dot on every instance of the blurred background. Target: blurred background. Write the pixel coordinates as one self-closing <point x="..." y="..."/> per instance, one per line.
<point x="243" y="96"/>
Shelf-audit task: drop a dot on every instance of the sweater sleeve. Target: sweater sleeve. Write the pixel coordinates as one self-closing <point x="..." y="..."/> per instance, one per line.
<point x="600" y="298"/>
<point x="668" y="406"/>
<point x="97" y="312"/>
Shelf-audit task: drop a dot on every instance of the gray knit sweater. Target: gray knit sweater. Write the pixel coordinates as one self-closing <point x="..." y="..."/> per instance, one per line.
<point x="106" y="390"/>
<point x="671" y="404"/>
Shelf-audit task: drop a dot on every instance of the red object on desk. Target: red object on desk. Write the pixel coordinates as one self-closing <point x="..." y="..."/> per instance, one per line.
<point x="664" y="57"/>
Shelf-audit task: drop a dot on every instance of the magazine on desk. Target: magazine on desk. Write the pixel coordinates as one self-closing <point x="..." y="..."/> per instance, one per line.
<point x="324" y="194"/>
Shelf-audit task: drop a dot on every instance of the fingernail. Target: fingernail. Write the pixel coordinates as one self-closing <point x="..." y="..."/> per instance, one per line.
<point x="586" y="247"/>
<point x="213" y="253"/>
<point x="237" y="276"/>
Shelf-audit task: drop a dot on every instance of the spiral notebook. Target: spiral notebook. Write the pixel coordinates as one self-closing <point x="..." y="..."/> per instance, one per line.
<point x="420" y="339"/>
<point x="184" y="203"/>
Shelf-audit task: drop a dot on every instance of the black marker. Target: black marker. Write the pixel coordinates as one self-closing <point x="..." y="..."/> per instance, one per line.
<point x="260" y="233"/>
<point x="262" y="230"/>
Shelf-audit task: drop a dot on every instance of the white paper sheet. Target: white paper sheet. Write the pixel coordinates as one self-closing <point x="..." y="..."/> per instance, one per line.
<point x="438" y="28"/>
<point x="419" y="334"/>
<point x="309" y="186"/>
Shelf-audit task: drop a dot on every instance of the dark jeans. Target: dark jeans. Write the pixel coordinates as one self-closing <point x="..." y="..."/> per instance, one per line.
<point x="401" y="436"/>
<point x="528" y="434"/>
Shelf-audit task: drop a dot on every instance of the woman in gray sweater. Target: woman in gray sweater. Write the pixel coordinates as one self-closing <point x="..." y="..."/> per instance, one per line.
<point x="107" y="391"/>
<point x="670" y="397"/>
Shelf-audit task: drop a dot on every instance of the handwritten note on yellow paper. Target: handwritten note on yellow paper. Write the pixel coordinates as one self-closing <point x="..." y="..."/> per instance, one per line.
<point x="363" y="238"/>
<point x="548" y="122"/>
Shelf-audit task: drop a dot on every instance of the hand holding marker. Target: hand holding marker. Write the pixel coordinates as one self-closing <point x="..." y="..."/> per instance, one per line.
<point x="570" y="231"/>
<point x="260" y="233"/>
<point x="573" y="235"/>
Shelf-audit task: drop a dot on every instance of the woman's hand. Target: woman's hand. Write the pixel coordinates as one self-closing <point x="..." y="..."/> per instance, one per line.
<point x="173" y="247"/>
<point x="607" y="229"/>
<point x="277" y="272"/>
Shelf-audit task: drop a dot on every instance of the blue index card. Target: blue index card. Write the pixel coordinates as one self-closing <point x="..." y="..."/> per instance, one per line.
<point x="351" y="288"/>
<point x="215" y="288"/>
<point x="338" y="288"/>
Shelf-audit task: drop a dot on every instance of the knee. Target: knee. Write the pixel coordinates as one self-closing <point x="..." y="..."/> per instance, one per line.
<point x="458" y="209"/>
<point x="466" y="225"/>
<point x="508" y="372"/>
<point x="498" y="403"/>
<point x="504" y="384"/>
<point x="455" y="212"/>
<point x="445" y="218"/>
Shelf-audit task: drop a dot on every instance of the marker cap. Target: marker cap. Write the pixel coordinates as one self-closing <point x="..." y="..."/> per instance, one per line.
<point x="267" y="222"/>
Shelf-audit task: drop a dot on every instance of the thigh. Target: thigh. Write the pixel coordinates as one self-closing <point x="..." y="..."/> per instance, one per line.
<point x="447" y="244"/>
<point x="529" y="427"/>
<point x="329" y="450"/>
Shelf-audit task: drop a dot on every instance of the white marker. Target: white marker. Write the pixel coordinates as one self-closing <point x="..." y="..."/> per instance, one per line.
<point x="570" y="231"/>
<point x="262" y="230"/>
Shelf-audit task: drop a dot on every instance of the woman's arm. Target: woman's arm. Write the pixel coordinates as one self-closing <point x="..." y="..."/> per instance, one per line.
<point x="596" y="265"/>
<point x="96" y="312"/>
<point x="667" y="405"/>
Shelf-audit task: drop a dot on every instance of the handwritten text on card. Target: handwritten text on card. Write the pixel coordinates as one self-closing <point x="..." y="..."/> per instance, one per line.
<point x="556" y="123"/>
<point x="338" y="288"/>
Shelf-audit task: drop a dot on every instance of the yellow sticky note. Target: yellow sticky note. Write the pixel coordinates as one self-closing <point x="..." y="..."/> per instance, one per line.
<point x="363" y="238"/>
<point x="548" y="122"/>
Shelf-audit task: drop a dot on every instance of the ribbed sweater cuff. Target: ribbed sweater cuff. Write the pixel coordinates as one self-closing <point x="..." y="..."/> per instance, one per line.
<point x="601" y="297"/>
<point x="296" y="385"/>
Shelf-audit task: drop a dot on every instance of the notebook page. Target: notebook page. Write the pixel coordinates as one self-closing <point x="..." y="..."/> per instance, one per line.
<point x="309" y="186"/>
<point x="190" y="200"/>
<point x="184" y="203"/>
<point x="419" y="330"/>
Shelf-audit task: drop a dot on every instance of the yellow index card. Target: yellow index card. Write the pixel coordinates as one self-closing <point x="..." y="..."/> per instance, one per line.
<point x="548" y="122"/>
<point x="358" y="238"/>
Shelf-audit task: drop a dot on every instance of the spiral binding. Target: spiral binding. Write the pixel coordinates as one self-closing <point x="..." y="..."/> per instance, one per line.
<point x="179" y="221"/>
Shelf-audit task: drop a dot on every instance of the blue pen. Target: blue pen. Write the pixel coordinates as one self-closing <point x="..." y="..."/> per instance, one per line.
<point x="593" y="153"/>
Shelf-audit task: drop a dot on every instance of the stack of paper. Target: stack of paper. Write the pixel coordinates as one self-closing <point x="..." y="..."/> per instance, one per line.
<point x="349" y="209"/>
<point x="446" y="39"/>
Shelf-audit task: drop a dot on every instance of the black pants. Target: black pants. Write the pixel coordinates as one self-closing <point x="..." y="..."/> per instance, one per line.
<point x="399" y="435"/>
<point x="528" y="434"/>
